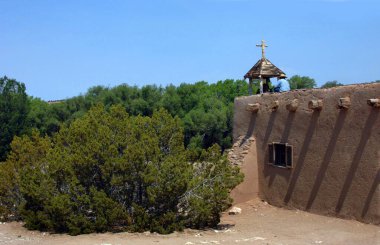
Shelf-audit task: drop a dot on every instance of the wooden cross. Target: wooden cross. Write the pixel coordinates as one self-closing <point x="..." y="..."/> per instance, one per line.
<point x="263" y="46"/>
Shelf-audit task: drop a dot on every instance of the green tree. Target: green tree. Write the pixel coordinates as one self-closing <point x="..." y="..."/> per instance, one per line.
<point x="209" y="119"/>
<point x="171" y="101"/>
<point x="14" y="108"/>
<point x="41" y="117"/>
<point x="331" y="84"/>
<point x="301" y="82"/>
<point x="209" y="105"/>
<point x="208" y="193"/>
<point x="108" y="171"/>
<point x="28" y="153"/>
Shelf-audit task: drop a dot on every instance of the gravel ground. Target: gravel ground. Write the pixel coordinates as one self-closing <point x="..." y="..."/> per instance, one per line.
<point x="259" y="223"/>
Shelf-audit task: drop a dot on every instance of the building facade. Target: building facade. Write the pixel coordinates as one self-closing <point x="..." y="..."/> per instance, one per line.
<point x="316" y="150"/>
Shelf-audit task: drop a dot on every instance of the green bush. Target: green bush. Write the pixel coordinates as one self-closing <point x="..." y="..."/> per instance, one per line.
<point x="108" y="171"/>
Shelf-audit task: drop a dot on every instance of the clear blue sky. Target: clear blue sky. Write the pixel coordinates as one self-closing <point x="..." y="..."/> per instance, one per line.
<point x="60" y="48"/>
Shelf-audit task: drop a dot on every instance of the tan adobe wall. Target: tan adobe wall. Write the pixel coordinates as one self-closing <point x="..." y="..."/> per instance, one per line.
<point x="336" y="152"/>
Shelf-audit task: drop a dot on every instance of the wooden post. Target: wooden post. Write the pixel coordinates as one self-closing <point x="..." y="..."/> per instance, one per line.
<point x="253" y="107"/>
<point x="374" y="102"/>
<point x="344" y="103"/>
<point x="293" y="105"/>
<point x="315" y="104"/>
<point x="250" y="89"/>
<point x="275" y="104"/>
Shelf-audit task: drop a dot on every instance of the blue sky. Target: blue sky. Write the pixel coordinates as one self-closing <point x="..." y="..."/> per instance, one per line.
<point x="61" y="48"/>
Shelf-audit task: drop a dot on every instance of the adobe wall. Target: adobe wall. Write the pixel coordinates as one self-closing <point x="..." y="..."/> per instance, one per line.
<point x="336" y="152"/>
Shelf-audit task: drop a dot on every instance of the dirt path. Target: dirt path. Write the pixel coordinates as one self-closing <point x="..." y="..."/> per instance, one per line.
<point x="259" y="223"/>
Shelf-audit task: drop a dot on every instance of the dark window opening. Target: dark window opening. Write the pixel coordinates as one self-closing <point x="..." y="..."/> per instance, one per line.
<point x="280" y="154"/>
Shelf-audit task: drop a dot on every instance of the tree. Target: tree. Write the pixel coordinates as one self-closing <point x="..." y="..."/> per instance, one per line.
<point x="109" y="171"/>
<point x="229" y="89"/>
<point x="14" y="108"/>
<point x="331" y="84"/>
<point x="28" y="152"/>
<point x="208" y="192"/>
<point x="301" y="82"/>
<point x="41" y="117"/>
<point x="209" y="119"/>
<point x="207" y="105"/>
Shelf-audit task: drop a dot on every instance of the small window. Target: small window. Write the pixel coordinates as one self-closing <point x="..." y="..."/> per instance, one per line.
<point x="280" y="154"/>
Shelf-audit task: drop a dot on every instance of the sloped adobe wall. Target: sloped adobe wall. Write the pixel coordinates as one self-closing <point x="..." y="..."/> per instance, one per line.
<point x="336" y="152"/>
<point x="243" y="154"/>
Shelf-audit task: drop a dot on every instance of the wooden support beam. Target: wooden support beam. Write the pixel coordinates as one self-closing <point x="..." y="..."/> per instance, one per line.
<point x="315" y="104"/>
<point x="293" y="105"/>
<point x="344" y="103"/>
<point x="374" y="102"/>
<point x="253" y="107"/>
<point x="275" y="104"/>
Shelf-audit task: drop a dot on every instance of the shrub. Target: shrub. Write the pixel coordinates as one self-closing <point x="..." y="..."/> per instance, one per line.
<point x="108" y="171"/>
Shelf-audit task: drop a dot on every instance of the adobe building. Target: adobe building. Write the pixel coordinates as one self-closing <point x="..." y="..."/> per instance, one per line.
<point x="316" y="150"/>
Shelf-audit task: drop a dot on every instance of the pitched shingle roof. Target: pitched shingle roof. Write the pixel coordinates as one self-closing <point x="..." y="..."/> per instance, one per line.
<point x="264" y="69"/>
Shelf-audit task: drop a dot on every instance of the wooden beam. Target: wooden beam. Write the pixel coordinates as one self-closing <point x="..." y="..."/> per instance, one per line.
<point x="293" y="105"/>
<point x="374" y="102"/>
<point x="253" y="107"/>
<point x="275" y="104"/>
<point x="344" y="103"/>
<point x="315" y="104"/>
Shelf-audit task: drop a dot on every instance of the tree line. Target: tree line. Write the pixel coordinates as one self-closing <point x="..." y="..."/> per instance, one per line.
<point x="205" y="109"/>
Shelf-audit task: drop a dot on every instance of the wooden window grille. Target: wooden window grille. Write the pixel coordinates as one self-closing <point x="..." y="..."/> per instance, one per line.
<point x="280" y="154"/>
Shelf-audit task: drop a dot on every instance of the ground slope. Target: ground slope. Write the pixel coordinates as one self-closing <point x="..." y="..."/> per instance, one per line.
<point x="259" y="223"/>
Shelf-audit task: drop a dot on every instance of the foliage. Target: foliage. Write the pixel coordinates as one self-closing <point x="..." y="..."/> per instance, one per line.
<point x="204" y="109"/>
<point x="109" y="171"/>
<point x="208" y="192"/>
<point x="41" y="116"/>
<point x="14" y="108"/>
<point x="27" y="153"/>
<point x="301" y="82"/>
<point x="331" y="84"/>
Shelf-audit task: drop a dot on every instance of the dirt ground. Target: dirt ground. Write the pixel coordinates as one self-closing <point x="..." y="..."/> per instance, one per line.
<point x="259" y="223"/>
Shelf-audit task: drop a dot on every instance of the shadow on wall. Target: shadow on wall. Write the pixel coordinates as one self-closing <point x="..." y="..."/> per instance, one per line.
<point x="366" y="133"/>
<point x="269" y="170"/>
<point x="302" y="156"/>
<point x="251" y="127"/>
<point x="372" y="191"/>
<point x="268" y="131"/>
<point x="273" y="172"/>
<point x="327" y="157"/>
<point x="288" y="127"/>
